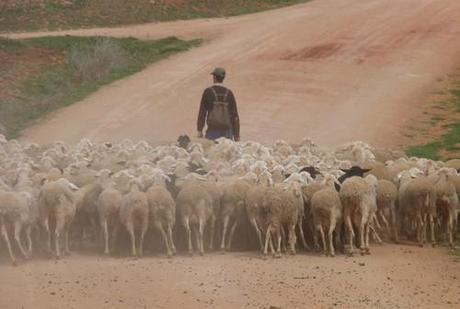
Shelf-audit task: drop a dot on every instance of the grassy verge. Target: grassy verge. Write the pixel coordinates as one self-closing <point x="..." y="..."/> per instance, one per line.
<point x="22" y="15"/>
<point x="43" y="74"/>
<point x="449" y="143"/>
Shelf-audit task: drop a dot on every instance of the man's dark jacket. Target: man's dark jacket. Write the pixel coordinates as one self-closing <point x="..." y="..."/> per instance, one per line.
<point x="206" y="105"/>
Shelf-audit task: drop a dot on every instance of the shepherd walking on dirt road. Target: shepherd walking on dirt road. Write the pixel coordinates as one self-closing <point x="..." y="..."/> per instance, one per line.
<point x="218" y="109"/>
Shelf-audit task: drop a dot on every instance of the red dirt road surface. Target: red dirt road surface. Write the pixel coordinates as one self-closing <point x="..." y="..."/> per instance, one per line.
<point x="334" y="70"/>
<point x="392" y="277"/>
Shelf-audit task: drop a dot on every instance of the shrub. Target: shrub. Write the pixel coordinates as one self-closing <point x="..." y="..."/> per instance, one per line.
<point x="92" y="64"/>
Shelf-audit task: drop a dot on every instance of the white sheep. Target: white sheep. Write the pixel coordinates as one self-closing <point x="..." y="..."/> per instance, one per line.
<point x="56" y="200"/>
<point x="194" y="205"/>
<point x="417" y="203"/>
<point x="327" y="214"/>
<point x="162" y="210"/>
<point x="233" y="208"/>
<point x="134" y="215"/>
<point x="358" y="198"/>
<point x="387" y="194"/>
<point x="446" y="200"/>
<point x="282" y="208"/>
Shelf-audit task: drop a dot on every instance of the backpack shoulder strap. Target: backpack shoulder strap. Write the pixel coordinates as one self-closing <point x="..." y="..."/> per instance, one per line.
<point x="226" y="94"/>
<point x="215" y="93"/>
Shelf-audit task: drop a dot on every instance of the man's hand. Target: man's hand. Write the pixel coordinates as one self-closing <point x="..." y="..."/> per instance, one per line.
<point x="199" y="134"/>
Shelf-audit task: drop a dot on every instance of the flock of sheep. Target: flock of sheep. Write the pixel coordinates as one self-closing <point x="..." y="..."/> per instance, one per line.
<point x="290" y="195"/>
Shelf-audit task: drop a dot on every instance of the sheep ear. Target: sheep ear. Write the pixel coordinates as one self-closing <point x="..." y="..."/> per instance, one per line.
<point x="366" y="170"/>
<point x="344" y="170"/>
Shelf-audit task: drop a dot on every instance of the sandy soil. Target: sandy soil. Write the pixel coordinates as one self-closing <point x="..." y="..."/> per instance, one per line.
<point x="392" y="277"/>
<point x="334" y="70"/>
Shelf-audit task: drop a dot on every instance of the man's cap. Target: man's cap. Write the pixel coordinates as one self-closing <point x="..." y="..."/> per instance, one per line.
<point x="219" y="72"/>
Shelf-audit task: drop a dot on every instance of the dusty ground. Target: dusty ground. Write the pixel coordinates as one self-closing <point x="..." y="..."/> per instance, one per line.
<point x="335" y="70"/>
<point x="392" y="277"/>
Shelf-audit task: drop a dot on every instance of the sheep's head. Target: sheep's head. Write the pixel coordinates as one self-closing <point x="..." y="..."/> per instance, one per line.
<point x="313" y="171"/>
<point x="183" y="141"/>
<point x="353" y="171"/>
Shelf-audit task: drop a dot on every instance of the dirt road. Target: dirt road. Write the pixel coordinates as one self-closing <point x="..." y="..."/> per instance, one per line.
<point x="334" y="70"/>
<point x="392" y="277"/>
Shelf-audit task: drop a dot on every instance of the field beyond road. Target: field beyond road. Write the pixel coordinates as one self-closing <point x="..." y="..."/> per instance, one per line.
<point x="332" y="70"/>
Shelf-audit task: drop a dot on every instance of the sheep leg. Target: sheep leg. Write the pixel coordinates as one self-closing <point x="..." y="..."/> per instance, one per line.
<point x="230" y="236"/>
<point x="29" y="239"/>
<point x="367" y="227"/>
<point x="385" y="222"/>
<point x="17" y="238"/>
<point x="349" y="227"/>
<point x="212" y="228"/>
<point x="394" y="223"/>
<point x="132" y="237"/>
<point x="330" y="236"/>
<point x="66" y="239"/>
<point x="144" y="228"/>
<point x="159" y="226"/>
<point x="224" y="232"/>
<point x="186" y="223"/>
<point x="424" y="218"/>
<point x="92" y="222"/>
<point x="283" y="239"/>
<point x="105" y="232"/>
<point x="171" y="239"/>
<point x="279" y="235"/>
<point x="201" y="235"/>
<point x="433" y="239"/>
<point x="302" y="236"/>
<point x="7" y="240"/>
<point x="362" y="228"/>
<point x="113" y="241"/>
<point x="319" y="228"/>
<point x="292" y="239"/>
<point x="419" y="230"/>
<point x="375" y="234"/>
<point x="259" y="234"/>
<point x="376" y="222"/>
<point x="450" y="228"/>
<point x="267" y="240"/>
<point x="46" y="226"/>
<point x="57" y="235"/>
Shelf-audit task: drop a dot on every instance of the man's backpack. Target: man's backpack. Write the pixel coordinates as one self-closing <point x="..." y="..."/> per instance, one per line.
<point x="219" y="116"/>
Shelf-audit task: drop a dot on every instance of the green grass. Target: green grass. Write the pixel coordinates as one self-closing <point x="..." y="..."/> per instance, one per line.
<point x="448" y="141"/>
<point x="56" y="14"/>
<point x="57" y="85"/>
